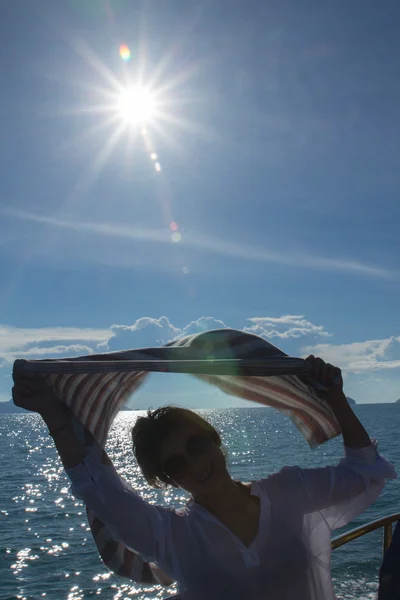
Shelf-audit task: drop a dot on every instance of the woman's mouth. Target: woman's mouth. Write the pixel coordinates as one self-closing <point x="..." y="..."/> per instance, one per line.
<point x="206" y="475"/>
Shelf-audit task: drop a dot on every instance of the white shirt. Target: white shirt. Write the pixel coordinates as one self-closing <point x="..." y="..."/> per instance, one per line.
<point x="290" y="556"/>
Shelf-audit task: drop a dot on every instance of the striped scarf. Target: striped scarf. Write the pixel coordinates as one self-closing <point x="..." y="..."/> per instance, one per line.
<point x="95" y="387"/>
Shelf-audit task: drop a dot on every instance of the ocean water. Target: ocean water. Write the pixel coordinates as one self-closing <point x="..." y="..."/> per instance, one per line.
<point x="46" y="549"/>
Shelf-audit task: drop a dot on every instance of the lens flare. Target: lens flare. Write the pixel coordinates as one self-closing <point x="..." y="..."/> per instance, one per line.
<point x="124" y="52"/>
<point x="176" y="236"/>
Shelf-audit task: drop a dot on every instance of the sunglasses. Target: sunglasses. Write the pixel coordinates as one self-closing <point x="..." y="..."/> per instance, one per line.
<point x="176" y="466"/>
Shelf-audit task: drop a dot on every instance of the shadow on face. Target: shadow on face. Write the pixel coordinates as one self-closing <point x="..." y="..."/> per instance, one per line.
<point x="193" y="460"/>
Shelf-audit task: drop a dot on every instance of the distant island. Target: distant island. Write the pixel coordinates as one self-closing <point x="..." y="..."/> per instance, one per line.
<point x="9" y="407"/>
<point x="350" y="400"/>
<point x="397" y="401"/>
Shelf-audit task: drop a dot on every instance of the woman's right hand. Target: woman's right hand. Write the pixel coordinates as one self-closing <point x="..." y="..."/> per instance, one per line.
<point x="32" y="392"/>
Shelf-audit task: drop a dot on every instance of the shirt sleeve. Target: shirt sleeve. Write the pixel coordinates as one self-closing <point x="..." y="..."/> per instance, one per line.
<point x="143" y="527"/>
<point x="339" y="492"/>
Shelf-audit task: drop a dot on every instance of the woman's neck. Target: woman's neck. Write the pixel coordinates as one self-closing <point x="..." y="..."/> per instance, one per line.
<point x="230" y="496"/>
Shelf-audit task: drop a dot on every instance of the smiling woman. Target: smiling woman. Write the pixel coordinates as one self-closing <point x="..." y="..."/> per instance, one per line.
<point x="231" y="539"/>
<point x="136" y="105"/>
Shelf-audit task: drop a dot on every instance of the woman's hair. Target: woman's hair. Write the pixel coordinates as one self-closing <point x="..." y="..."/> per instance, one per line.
<point x="151" y="431"/>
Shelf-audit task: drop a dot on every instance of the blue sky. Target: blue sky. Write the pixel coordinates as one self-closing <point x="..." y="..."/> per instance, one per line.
<point x="276" y="130"/>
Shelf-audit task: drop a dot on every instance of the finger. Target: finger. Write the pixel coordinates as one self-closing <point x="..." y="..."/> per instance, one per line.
<point x="31" y="377"/>
<point x="310" y="361"/>
<point x="323" y="371"/>
<point x="22" y="394"/>
<point x="19" y="394"/>
<point x="337" y="376"/>
<point x="22" y="386"/>
<point x="318" y="369"/>
<point x="34" y="382"/>
<point x="313" y="366"/>
<point x="25" y="391"/>
<point x="331" y="373"/>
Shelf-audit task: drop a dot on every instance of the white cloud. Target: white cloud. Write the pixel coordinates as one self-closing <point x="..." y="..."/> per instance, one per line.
<point x="207" y="243"/>
<point x="287" y="326"/>
<point x="17" y="336"/>
<point x="156" y="332"/>
<point x="357" y="357"/>
<point x="39" y="351"/>
<point x="16" y="342"/>
<point x="144" y="332"/>
<point x="203" y="324"/>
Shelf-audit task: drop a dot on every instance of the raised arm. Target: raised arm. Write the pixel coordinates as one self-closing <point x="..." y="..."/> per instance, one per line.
<point x="32" y="393"/>
<point x="353" y="432"/>
<point x="339" y="492"/>
<point x="143" y="527"/>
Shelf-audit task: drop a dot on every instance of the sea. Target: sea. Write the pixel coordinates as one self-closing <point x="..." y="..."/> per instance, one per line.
<point x="46" y="548"/>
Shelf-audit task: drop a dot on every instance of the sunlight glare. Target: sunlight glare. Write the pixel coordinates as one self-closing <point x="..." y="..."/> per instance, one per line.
<point x="136" y="105"/>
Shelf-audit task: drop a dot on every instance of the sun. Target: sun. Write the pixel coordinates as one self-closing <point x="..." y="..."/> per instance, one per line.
<point x="136" y="105"/>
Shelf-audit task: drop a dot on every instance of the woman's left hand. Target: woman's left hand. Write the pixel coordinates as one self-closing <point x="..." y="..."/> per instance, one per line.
<point x="329" y="376"/>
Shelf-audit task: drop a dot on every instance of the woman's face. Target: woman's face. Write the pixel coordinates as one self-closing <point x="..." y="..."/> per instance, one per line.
<point x="192" y="460"/>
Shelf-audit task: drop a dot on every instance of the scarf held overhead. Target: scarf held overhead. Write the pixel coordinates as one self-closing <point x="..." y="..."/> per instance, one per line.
<point x="95" y="388"/>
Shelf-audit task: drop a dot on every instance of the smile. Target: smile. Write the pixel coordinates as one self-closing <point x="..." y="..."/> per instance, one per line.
<point x="206" y="475"/>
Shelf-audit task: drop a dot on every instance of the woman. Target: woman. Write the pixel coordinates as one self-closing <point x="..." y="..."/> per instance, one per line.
<point x="266" y="540"/>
